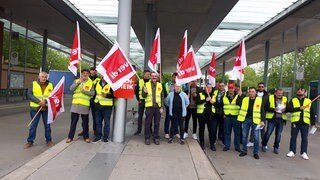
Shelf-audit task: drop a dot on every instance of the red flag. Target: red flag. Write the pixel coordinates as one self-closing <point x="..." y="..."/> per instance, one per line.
<point x="115" y="67"/>
<point x="183" y="50"/>
<point x="155" y="55"/>
<point x="55" y="101"/>
<point x="189" y="69"/>
<point x="241" y="61"/>
<point x="212" y="70"/>
<point x="75" y="55"/>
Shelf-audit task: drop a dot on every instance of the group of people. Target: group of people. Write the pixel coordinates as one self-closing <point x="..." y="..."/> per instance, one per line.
<point x="223" y="111"/>
<point x="90" y="92"/>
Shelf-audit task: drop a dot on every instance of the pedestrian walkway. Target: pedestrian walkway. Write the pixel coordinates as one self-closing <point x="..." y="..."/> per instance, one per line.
<point x="131" y="160"/>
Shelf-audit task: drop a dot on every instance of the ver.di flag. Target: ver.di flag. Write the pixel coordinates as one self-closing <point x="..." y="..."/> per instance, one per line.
<point x="241" y="61"/>
<point x="189" y="69"/>
<point x="155" y="55"/>
<point x="183" y="50"/>
<point x="55" y="101"/>
<point x="212" y="70"/>
<point x="75" y="55"/>
<point x="115" y="67"/>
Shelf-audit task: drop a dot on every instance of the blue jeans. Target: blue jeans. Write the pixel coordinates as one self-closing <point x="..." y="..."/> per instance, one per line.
<point x="275" y="124"/>
<point x="229" y="124"/>
<point x="245" y="132"/>
<point x="103" y="114"/>
<point x="34" y="125"/>
<point x="295" y="128"/>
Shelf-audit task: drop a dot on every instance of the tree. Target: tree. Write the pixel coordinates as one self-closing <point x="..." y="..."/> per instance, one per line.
<point x="251" y="79"/>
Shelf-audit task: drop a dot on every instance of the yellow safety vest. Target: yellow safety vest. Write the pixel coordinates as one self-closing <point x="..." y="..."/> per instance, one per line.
<point x="230" y="108"/>
<point x="141" y="84"/>
<point x="81" y="98"/>
<point x="37" y="92"/>
<point x="269" y="115"/>
<point x="200" y="107"/>
<point x="295" y="116"/>
<point x="95" y="81"/>
<point x="148" y="99"/>
<point x="99" y="98"/>
<point x="256" y="110"/>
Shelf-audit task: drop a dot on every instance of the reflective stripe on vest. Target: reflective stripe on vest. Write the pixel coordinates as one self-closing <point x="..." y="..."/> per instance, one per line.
<point x="230" y="108"/>
<point x="295" y="116"/>
<point x="269" y="115"/>
<point x="37" y="92"/>
<point x="81" y="98"/>
<point x="99" y="98"/>
<point x="148" y="99"/>
<point x="256" y="110"/>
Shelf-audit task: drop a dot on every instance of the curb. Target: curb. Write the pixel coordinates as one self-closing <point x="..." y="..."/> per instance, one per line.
<point x="203" y="166"/>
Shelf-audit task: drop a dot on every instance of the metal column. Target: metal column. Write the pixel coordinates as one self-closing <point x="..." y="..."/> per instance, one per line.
<point x="295" y="61"/>
<point x="224" y="72"/>
<point x="44" y="51"/>
<point x="150" y="22"/>
<point x="281" y="61"/>
<point x="9" y="59"/>
<point x="95" y="60"/>
<point x="25" y="55"/>
<point x="266" y="63"/>
<point x="124" y="20"/>
<point x="318" y="110"/>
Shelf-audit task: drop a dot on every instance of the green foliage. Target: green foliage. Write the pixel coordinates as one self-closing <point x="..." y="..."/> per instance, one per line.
<point x="251" y="79"/>
<point x="219" y="77"/>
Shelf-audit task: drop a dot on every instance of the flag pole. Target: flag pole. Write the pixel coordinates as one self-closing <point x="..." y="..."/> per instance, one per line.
<point x="34" y="116"/>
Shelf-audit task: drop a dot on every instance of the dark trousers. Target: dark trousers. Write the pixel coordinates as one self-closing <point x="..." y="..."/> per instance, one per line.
<point x="229" y="124"/>
<point x="152" y="113"/>
<point x="211" y="126"/>
<point x="176" y="120"/>
<point x="93" y="113"/>
<point x="220" y="127"/>
<point x="140" y="116"/>
<point x="191" y="112"/>
<point x="167" y="122"/>
<point x="276" y="124"/>
<point x="85" y="125"/>
<point x="295" y="128"/>
<point x="103" y="115"/>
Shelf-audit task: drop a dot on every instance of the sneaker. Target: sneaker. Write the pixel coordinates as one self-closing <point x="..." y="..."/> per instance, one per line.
<point x="194" y="136"/>
<point x="276" y="150"/>
<point x="68" y="140"/>
<point x="304" y="156"/>
<point x="156" y="141"/>
<point x="50" y="144"/>
<point x="88" y="140"/>
<point x="242" y="154"/>
<point x="264" y="148"/>
<point x="256" y="156"/>
<point x="185" y="135"/>
<point x="290" y="154"/>
<point x="147" y="141"/>
<point x="96" y="140"/>
<point x="182" y="141"/>
<point x="166" y="136"/>
<point x="178" y="136"/>
<point x="105" y="139"/>
<point x="80" y="134"/>
<point x="238" y="150"/>
<point x="137" y="133"/>
<point x="28" y="145"/>
<point x="225" y="149"/>
<point x="170" y="140"/>
<point x="250" y="144"/>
